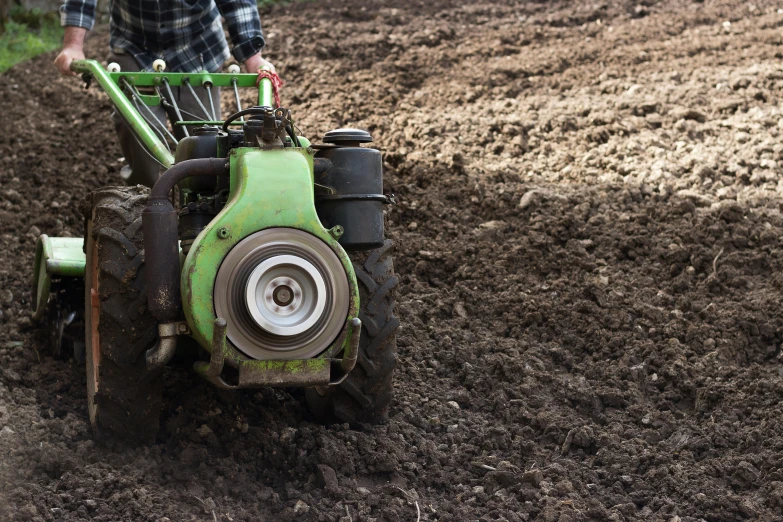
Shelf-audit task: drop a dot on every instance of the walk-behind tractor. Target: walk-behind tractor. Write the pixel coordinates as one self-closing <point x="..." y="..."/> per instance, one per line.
<point x="265" y="250"/>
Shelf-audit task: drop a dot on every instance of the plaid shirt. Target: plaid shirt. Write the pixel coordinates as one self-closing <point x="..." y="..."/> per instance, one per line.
<point x="187" y="34"/>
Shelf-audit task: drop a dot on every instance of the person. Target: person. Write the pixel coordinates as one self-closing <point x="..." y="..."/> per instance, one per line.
<point x="186" y="34"/>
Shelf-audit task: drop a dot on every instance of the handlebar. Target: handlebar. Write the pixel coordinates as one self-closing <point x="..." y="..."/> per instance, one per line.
<point x="111" y="81"/>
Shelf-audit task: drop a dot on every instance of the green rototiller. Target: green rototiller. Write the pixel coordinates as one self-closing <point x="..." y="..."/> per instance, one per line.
<point x="270" y="254"/>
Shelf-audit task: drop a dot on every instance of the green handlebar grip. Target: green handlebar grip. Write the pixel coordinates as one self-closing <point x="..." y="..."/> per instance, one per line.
<point x="265" y="93"/>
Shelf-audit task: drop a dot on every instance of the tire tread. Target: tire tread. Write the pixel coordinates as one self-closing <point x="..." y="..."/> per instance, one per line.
<point x="365" y="395"/>
<point x="129" y="396"/>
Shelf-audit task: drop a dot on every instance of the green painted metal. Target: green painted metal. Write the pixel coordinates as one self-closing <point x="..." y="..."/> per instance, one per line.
<point x="151" y="100"/>
<point x="300" y="372"/>
<point x="110" y="82"/>
<point x="268" y="188"/>
<point x="153" y="79"/>
<point x="266" y="96"/>
<point x="54" y="257"/>
<point x="303" y="372"/>
<point x="254" y="373"/>
<point x="138" y="124"/>
<point x="205" y="122"/>
<point x="295" y="366"/>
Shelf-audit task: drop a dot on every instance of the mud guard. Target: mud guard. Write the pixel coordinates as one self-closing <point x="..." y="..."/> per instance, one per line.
<point x="54" y="257"/>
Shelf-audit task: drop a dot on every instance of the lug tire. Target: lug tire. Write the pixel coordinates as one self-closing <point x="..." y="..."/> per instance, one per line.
<point x="124" y="398"/>
<point x="365" y="395"/>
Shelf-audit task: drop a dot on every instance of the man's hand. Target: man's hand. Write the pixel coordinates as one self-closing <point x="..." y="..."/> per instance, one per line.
<point x="255" y="62"/>
<point x="73" y="45"/>
<point x="64" y="59"/>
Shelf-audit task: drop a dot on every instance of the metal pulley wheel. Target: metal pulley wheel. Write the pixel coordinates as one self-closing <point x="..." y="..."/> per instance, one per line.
<point x="284" y="293"/>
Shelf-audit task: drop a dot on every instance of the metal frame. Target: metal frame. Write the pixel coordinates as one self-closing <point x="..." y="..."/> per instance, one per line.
<point x="54" y="257"/>
<point x="111" y="83"/>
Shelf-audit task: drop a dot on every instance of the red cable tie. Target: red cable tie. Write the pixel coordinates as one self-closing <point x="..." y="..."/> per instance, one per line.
<point x="276" y="83"/>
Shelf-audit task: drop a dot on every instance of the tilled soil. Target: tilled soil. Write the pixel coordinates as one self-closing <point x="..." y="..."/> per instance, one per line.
<point x="589" y="244"/>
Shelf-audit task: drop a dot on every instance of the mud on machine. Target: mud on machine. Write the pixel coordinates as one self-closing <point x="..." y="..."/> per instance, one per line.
<point x="271" y="257"/>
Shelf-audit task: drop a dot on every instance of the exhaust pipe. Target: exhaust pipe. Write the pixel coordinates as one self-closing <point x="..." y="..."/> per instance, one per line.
<point x="161" y="249"/>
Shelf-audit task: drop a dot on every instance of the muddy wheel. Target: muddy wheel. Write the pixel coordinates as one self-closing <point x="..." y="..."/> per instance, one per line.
<point x="124" y="398"/>
<point x="366" y="393"/>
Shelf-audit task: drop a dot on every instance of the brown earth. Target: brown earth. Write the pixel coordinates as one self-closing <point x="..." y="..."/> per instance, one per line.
<point x="588" y="238"/>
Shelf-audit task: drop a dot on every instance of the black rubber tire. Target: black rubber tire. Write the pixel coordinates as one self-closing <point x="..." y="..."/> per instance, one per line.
<point x="124" y="397"/>
<point x="365" y="395"/>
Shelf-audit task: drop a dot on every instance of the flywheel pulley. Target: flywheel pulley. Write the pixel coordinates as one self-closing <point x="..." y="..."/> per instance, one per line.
<point x="284" y="294"/>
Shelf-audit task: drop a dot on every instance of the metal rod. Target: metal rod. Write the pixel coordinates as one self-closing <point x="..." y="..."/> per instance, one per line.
<point x="162" y="124"/>
<point x="236" y="96"/>
<point x="351" y="353"/>
<point x="151" y="79"/>
<point x="136" y="122"/>
<point x="174" y="103"/>
<point x="194" y="117"/>
<point x="198" y="100"/>
<point x="218" y="355"/>
<point x="143" y="147"/>
<point x="154" y="128"/>
<point x="204" y="122"/>
<point x="136" y="98"/>
<point x="211" y="103"/>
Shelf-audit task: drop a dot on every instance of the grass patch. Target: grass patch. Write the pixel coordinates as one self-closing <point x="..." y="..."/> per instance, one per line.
<point x="28" y="34"/>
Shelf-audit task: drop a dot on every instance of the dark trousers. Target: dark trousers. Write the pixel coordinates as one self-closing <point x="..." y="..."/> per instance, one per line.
<point x="142" y="168"/>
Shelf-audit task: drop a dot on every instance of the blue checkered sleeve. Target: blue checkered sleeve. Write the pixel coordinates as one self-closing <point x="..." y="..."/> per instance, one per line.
<point x="244" y="27"/>
<point x="78" y="13"/>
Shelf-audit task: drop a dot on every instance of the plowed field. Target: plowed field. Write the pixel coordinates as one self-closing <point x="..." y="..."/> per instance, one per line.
<point x="588" y="237"/>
